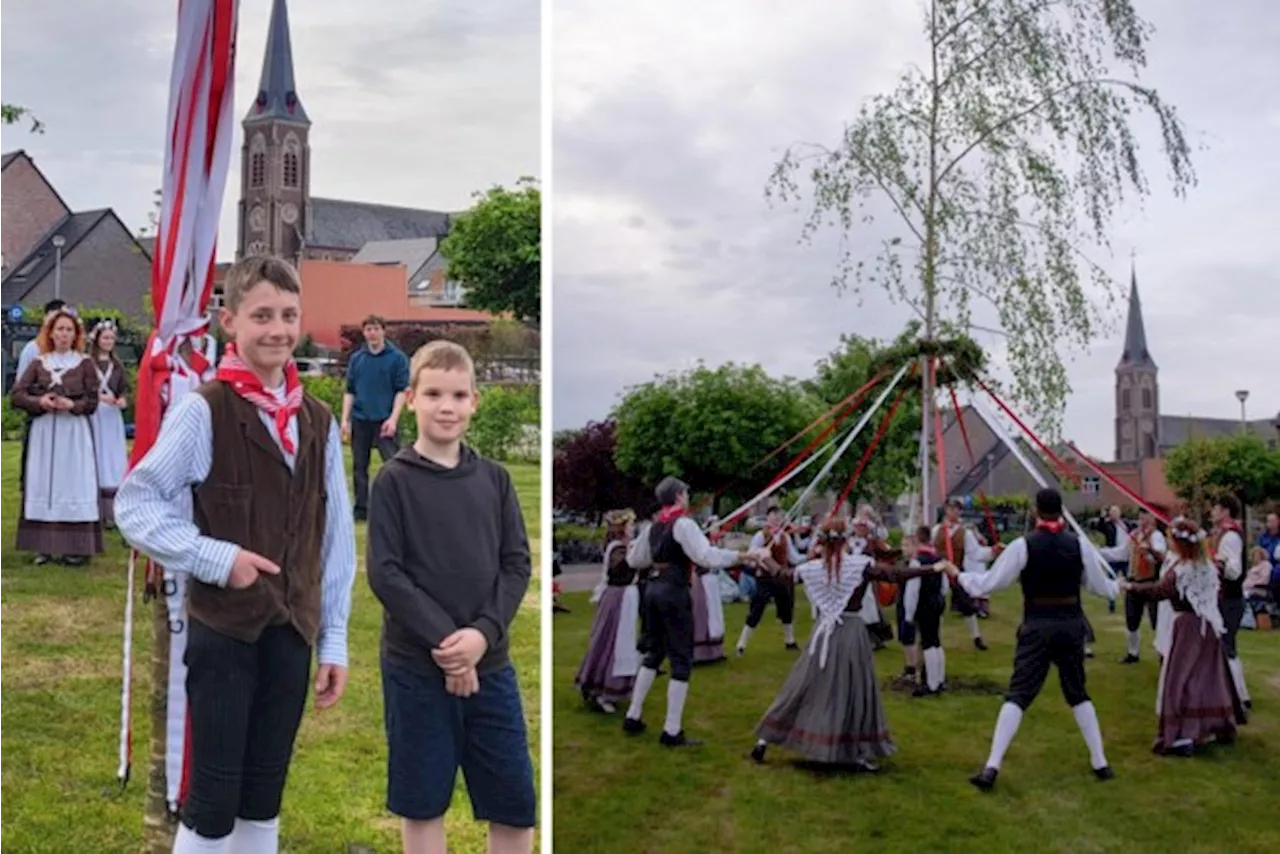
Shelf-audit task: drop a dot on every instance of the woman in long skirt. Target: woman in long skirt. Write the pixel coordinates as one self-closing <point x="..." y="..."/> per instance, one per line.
<point x="608" y="670"/>
<point x="829" y="709"/>
<point x="110" y="448"/>
<point x="708" y="617"/>
<point x="60" y="515"/>
<point x="1196" y="700"/>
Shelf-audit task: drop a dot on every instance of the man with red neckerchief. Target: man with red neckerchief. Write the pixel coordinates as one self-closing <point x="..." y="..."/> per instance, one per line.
<point x="1228" y="554"/>
<point x="1051" y="564"/>
<point x="666" y="553"/>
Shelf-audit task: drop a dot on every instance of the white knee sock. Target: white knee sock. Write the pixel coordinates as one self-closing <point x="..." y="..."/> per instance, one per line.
<point x="644" y="681"/>
<point x="187" y="841"/>
<point x="256" y="837"/>
<point x="1006" y="729"/>
<point x="1135" y="643"/>
<point x="744" y="637"/>
<point x="1087" y="719"/>
<point x="677" y="691"/>
<point x="974" y="632"/>
<point x="935" y="667"/>
<point x="1236" y="666"/>
<point x="789" y="632"/>
<point x="813" y="611"/>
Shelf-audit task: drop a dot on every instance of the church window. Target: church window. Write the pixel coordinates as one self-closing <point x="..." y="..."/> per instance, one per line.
<point x="292" y="161"/>
<point x="1125" y="399"/>
<point x="1146" y="398"/>
<point x="258" y="162"/>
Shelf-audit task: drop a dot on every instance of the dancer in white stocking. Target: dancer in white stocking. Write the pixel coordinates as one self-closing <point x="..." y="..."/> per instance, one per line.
<point x="778" y="587"/>
<point x="956" y="542"/>
<point x="1051" y="564"/>
<point x="670" y="549"/>
<point x="1144" y="552"/>
<point x="1228" y="553"/>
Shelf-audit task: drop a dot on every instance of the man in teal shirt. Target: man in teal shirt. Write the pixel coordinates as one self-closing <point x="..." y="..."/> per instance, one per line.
<point x="377" y="379"/>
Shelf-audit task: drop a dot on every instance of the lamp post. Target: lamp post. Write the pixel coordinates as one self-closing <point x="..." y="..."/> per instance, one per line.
<point x="58" y="242"/>
<point x="1242" y="395"/>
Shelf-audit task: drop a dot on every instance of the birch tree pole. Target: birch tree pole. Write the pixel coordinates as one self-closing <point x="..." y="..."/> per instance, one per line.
<point x="1003" y="159"/>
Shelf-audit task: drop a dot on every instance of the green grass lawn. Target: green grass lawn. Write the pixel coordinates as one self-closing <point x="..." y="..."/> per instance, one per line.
<point x="626" y="793"/>
<point x="61" y="635"/>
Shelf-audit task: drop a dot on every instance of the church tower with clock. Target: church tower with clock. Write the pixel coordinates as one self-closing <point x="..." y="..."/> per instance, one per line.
<point x="275" y="159"/>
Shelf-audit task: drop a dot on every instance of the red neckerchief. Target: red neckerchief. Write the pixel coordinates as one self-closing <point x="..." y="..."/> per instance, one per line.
<point x="1054" y="526"/>
<point x="670" y="514"/>
<point x="1230" y="525"/>
<point x="234" y="372"/>
<point x="928" y="551"/>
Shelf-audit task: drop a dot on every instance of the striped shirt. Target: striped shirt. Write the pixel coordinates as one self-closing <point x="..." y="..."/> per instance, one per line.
<point x="152" y="510"/>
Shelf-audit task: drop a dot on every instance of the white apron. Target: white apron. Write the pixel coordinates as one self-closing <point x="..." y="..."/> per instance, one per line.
<point x="109" y="444"/>
<point x="61" y="483"/>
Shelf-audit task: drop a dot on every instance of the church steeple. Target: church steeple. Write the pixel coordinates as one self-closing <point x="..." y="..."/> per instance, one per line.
<point x="1137" y="388"/>
<point x="277" y="96"/>
<point x="275" y="162"/>
<point x="1135" y="334"/>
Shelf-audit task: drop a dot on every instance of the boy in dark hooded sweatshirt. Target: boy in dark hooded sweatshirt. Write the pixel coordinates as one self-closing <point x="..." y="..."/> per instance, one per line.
<point x="449" y="559"/>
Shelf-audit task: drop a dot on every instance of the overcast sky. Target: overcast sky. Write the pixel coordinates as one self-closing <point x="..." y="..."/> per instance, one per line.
<point x="413" y="104"/>
<point x="669" y="115"/>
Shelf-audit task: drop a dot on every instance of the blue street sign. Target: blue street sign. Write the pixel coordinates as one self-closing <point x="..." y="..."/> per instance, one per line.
<point x="15" y="313"/>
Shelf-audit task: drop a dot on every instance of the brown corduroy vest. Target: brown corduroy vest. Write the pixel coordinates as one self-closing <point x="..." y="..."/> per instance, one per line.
<point x="252" y="499"/>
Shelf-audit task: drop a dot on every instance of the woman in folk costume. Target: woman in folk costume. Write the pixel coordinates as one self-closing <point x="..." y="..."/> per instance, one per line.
<point x="829" y="709"/>
<point x="109" y="444"/>
<point x="60" y="500"/>
<point x="1196" y="700"/>
<point x="708" y="612"/>
<point x="608" y="670"/>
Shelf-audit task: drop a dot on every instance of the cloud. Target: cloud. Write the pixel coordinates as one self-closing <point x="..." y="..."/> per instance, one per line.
<point x="411" y="104"/>
<point x="668" y="119"/>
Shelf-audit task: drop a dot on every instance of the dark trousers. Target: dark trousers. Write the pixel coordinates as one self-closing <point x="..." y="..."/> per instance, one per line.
<point x="1045" y="641"/>
<point x="668" y="607"/>
<point x="770" y="588"/>
<point x="962" y="603"/>
<point x="245" y="702"/>
<point x="365" y="436"/>
<point x="929" y="623"/>
<point x="1232" y="613"/>
<point x="1133" y="608"/>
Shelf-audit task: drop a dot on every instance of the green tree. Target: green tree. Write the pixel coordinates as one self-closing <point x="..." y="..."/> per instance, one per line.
<point x="11" y="114"/>
<point x="1004" y="158"/>
<point x="710" y="427"/>
<point x="494" y="251"/>
<point x="1201" y="470"/>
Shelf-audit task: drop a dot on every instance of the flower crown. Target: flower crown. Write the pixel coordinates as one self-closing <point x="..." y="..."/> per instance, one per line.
<point x="1188" y="536"/>
<point x="102" y="326"/>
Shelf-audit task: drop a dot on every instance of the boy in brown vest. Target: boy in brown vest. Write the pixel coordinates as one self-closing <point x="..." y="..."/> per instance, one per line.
<point x="448" y="557"/>
<point x="270" y="553"/>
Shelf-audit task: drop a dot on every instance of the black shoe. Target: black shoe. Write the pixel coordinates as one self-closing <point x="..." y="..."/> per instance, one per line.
<point x="980" y="644"/>
<point x="42" y="559"/>
<point x="793" y="645"/>
<point x="757" y="753"/>
<point x="559" y="609"/>
<point x="1104" y="773"/>
<point x="1088" y="652"/>
<point x="985" y="780"/>
<point x="922" y="690"/>
<point x="1248" y="704"/>
<point x="1129" y="659"/>
<point x="677" y="740"/>
<point x="633" y="726"/>
<point x="74" y="560"/>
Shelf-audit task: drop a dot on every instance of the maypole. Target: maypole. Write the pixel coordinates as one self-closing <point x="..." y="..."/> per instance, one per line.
<point x="198" y="138"/>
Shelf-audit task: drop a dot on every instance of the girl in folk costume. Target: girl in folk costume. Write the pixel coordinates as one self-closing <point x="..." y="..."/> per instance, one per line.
<point x="829" y="708"/>
<point x="60" y="496"/>
<point x="1196" y="701"/>
<point x="708" y="612"/>
<point x="609" y="668"/>
<point x="109" y="443"/>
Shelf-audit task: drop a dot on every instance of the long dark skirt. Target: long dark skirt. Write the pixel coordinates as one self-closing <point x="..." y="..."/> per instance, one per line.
<point x="832" y="714"/>
<point x="595" y="676"/>
<point x="1198" y="701"/>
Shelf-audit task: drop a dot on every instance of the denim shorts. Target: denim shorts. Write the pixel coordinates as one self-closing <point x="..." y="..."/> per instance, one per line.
<point x="431" y="734"/>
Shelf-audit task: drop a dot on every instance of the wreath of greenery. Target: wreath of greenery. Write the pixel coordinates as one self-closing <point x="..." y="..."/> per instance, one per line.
<point x="961" y="359"/>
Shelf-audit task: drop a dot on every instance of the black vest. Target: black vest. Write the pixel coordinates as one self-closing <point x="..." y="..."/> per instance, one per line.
<point x="1235" y="589"/>
<point x="1053" y="574"/>
<point x="930" y="585"/>
<point x="670" y="563"/>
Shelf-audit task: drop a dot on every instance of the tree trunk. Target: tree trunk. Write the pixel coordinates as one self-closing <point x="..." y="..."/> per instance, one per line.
<point x="158" y="828"/>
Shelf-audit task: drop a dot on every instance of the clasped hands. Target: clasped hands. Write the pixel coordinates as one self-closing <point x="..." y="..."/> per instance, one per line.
<point x="55" y="403"/>
<point x="457" y="656"/>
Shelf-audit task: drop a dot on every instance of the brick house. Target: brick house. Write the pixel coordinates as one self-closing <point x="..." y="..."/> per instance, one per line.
<point x="102" y="264"/>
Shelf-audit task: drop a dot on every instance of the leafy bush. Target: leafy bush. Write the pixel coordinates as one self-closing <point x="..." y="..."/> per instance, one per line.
<point x="15" y="419"/>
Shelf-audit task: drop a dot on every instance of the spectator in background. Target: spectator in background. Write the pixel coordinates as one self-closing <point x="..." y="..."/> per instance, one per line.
<point x="1269" y="542"/>
<point x="1114" y="529"/>
<point x="1257" y="587"/>
<point x="377" y="379"/>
